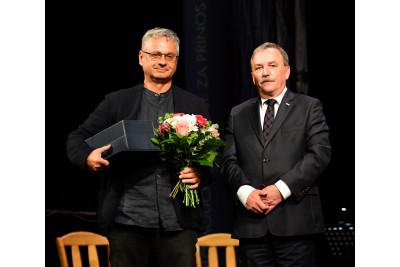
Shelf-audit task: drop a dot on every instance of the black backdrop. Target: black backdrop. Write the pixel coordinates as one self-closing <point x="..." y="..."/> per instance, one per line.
<point x="91" y="50"/>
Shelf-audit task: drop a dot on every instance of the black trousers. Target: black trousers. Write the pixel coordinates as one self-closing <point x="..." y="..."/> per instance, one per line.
<point x="277" y="251"/>
<point x="132" y="246"/>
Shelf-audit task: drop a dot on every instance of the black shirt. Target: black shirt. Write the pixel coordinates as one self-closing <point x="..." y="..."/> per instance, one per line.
<point x="145" y="201"/>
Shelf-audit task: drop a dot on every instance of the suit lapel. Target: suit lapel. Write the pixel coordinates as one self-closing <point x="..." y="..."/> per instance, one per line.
<point x="284" y="108"/>
<point x="254" y="114"/>
<point x="179" y="102"/>
<point x="136" y="99"/>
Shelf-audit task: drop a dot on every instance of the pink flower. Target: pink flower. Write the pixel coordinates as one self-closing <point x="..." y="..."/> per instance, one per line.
<point x="213" y="129"/>
<point x="200" y="120"/>
<point x="179" y="114"/>
<point x="182" y="127"/>
<point x="163" y="128"/>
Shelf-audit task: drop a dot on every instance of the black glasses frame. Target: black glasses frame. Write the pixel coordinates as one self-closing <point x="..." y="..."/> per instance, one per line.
<point x="157" y="56"/>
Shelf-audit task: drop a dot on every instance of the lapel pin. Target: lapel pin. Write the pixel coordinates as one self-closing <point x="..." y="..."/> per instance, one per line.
<point x="287" y="104"/>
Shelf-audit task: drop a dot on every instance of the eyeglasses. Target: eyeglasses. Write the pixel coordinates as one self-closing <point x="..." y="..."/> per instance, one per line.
<point x="157" y="55"/>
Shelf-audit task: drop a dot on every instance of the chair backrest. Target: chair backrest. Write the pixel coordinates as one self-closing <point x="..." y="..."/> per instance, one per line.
<point x="82" y="239"/>
<point x="213" y="241"/>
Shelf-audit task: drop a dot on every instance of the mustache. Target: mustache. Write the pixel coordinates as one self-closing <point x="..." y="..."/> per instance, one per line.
<point x="268" y="79"/>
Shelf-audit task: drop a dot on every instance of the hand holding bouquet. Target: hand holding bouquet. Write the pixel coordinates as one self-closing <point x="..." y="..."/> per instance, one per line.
<point x="185" y="140"/>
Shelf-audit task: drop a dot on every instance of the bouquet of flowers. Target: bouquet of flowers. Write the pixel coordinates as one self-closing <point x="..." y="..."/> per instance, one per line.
<point x="185" y="140"/>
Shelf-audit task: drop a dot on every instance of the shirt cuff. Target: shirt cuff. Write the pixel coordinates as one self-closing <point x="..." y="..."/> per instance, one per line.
<point x="283" y="188"/>
<point x="244" y="192"/>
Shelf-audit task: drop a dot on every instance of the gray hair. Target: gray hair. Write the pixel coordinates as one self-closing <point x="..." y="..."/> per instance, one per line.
<point x="272" y="45"/>
<point x="161" y="32"/>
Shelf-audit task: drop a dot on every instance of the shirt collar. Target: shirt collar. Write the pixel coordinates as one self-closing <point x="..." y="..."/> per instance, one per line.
<point x="278" y="98"/>
<point x="151" y="93"/>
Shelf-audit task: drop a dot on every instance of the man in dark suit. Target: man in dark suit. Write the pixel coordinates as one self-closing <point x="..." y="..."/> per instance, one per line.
<point x="276" y="151"/>
<point x="135" y="211"/>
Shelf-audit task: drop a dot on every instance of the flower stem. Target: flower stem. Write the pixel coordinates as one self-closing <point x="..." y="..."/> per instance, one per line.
<point x="175" y="190"/>
<point x="190" y="196"/>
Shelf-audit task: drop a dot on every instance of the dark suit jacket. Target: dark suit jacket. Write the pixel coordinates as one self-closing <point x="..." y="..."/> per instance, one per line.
<point x="124" y="105"/>
<point x="297" y="152"/>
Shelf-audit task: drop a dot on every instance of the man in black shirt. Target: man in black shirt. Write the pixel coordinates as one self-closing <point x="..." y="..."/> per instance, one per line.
<point x="139" y="218"/>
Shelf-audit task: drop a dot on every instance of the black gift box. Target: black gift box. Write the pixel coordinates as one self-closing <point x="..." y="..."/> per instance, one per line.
<point x="128" y="138"/>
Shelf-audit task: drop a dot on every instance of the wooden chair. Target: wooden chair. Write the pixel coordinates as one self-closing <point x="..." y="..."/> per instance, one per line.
<point x="82" y="239"/>
<point x="212" y="241"/>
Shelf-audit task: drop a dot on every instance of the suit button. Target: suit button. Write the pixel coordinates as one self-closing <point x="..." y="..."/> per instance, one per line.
<point x="265" y="160"/>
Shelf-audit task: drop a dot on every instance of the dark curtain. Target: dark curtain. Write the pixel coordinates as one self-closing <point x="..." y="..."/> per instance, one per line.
<point x="278" y="21"/>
